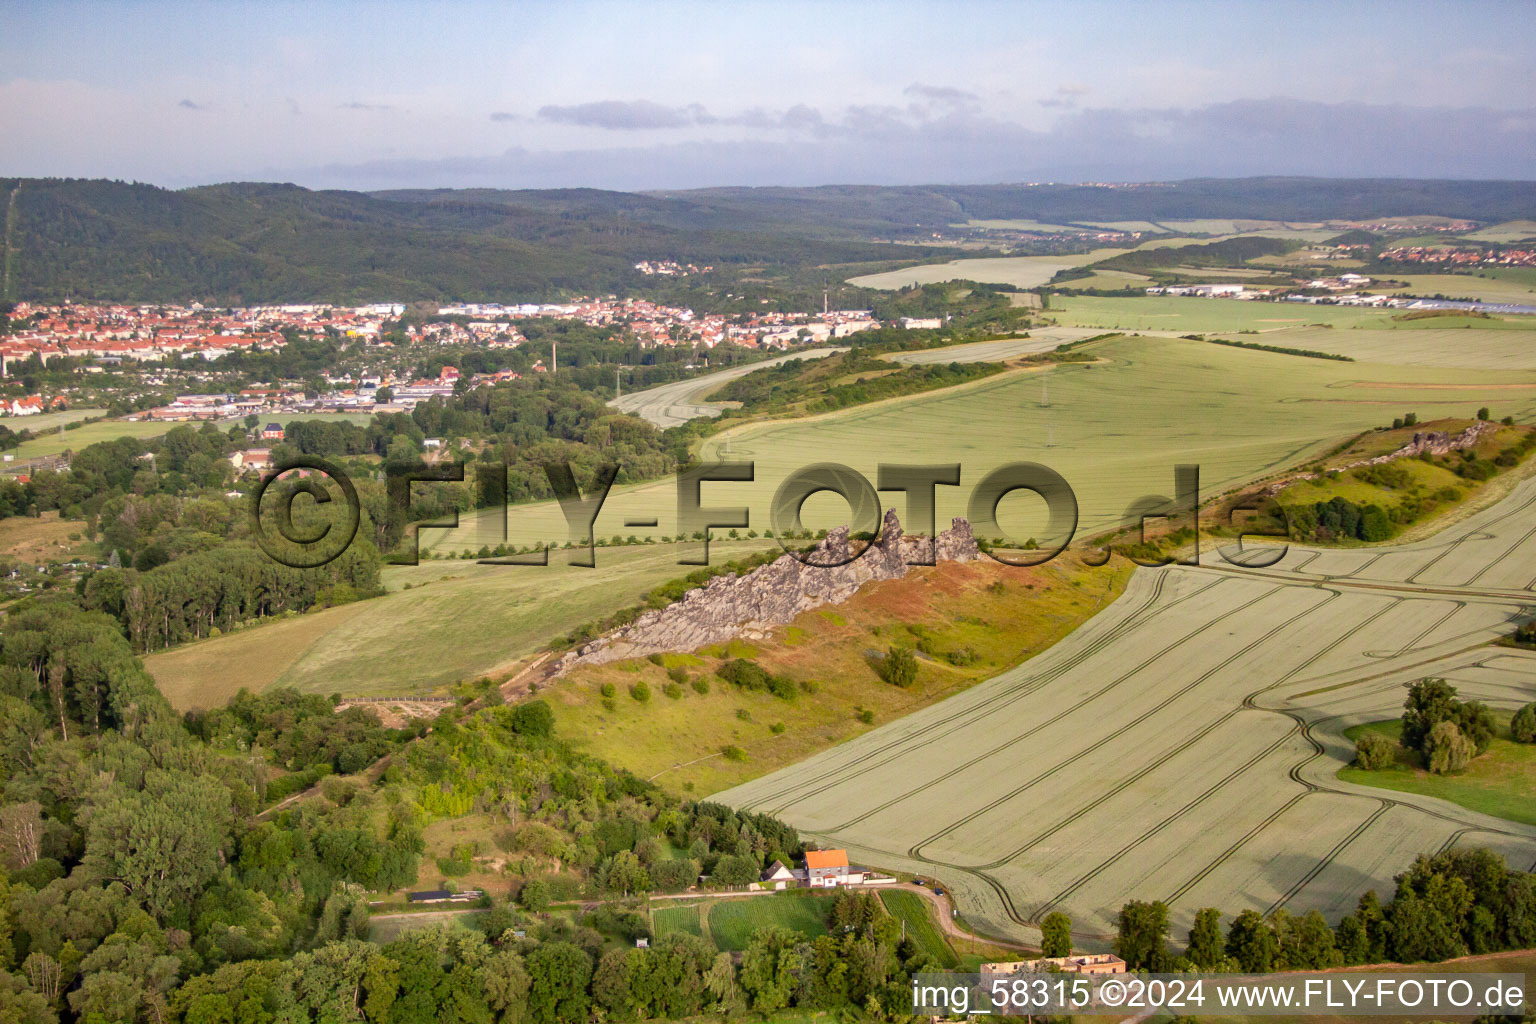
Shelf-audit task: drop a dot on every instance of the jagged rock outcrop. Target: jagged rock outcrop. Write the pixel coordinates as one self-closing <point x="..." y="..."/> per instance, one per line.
<point x="773" y="594"/>
<point x="1436" y="442"/>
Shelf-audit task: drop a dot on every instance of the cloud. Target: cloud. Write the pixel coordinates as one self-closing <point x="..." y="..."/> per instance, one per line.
<point x="892" y="145"/>
<point x="502" y="115"/>
<point x="1065" y="97"/>
<point x="189" y="105"/>
<point x="940" y="93"/>
<point x="626" y="115"/>
<point x="358" y="105"/>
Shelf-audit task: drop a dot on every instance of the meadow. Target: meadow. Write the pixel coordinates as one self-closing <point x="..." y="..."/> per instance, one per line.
<point x="59" y="441"/>
<point x="976" y="619"/>
<point x="1185" y="744"/>
<point x="440" y="622"/>
<point x="1500" y="782"/>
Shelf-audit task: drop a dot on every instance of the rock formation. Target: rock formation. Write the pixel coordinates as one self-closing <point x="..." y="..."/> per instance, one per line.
<point x="1436" y="442"/>
<point x="773" y="594"/>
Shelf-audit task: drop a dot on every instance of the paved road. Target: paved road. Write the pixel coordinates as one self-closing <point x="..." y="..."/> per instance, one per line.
<point x="673" y="404"/>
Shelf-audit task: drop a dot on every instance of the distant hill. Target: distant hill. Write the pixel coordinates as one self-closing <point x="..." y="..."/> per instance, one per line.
<point x="255" y="243"/>
<point x="247" y="243"/>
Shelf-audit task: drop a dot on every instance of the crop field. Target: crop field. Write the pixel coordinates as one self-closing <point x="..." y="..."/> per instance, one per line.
<point x="679" y="920"/>
<point x="1426" y="346"/>
<point x="457" y="620"/>
<point x="732" y="923"/>
<point x="1020" y="271"/>
<point x="1183" y="314"/>
<point x="1114" y="430"/>
<point x="1468" y="286"/>
<point x="1184" y="744"/>
<point x="1041" y="339"/>
<point x="917" y="920"/>
<point x="1508" y="231"/>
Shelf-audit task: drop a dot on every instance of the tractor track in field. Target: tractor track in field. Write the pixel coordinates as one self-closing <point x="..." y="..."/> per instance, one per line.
<point x="795" y="790"/>
<point x="1428" y="613"/>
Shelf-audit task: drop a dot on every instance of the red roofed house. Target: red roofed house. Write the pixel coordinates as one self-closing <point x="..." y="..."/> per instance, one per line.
<point x="830" y="867"/>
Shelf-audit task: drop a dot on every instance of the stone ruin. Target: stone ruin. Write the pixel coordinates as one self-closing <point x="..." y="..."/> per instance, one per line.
<point x="774" y="594"/>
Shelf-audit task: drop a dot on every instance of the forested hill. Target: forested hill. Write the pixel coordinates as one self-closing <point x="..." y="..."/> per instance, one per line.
<point x="262" y="243"/>
<point x="257" y="243"/>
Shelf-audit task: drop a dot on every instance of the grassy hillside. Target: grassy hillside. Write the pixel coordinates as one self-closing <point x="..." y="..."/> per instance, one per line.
<point x="441" y="622"/>
<point x="966" y="622"/>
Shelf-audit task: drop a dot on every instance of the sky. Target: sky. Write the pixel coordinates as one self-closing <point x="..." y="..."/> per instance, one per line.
<point x="679" y="95"/>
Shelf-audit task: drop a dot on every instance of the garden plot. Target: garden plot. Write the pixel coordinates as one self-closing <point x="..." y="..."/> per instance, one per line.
<point x="1183" y="744"/>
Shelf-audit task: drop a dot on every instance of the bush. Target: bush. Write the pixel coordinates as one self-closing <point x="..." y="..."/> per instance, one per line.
<point x="733" y="753"/>
<point x="899" y="667"/>
<point x="1447" y="750"/>
<point x="745" y="673"/>
<point x="677" y="674"/>
<point x="776" y="728"/>
<point x="1374" y="752"/>
<point x="672" y="690"/>
<point x="1523" y="726"/>
<point x="866" y="716"/>
<point x="533" y="718"/>
<point x="607" y="690"/>
<point x="640" y="692"/>
<point x="700" y="685"/>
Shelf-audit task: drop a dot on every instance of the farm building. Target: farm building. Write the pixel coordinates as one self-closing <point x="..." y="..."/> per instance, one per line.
<point x="778" y="876"/>
<point x="1083" y="963"/>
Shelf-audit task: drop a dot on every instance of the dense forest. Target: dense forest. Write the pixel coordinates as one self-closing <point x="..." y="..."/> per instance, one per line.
<point x="252" y="243"/>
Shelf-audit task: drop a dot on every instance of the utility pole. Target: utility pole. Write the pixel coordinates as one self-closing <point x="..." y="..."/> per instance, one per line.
<point x="554" y="358"/>
<point x="618" y="390"/>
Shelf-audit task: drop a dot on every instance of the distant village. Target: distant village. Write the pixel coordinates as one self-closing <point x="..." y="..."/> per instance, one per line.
<point x="110" y="337"/>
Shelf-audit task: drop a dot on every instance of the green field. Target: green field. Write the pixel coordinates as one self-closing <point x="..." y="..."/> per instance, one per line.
<point x="49" y="420"/>
<point x="1507" y="231"/>
<point x="1434" y="344"/>
<point x="1495" y="288"/>
<point x="1187" y="314"/>
<point x="1501" y="782"/>
<point x="56" y="442"/>
<point x="1114" y="429"/>
<point x="732" y="923"/>
<point x="916" y="917"/>
<point x="685" y="920"/>
<point x="456" y="621"/>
